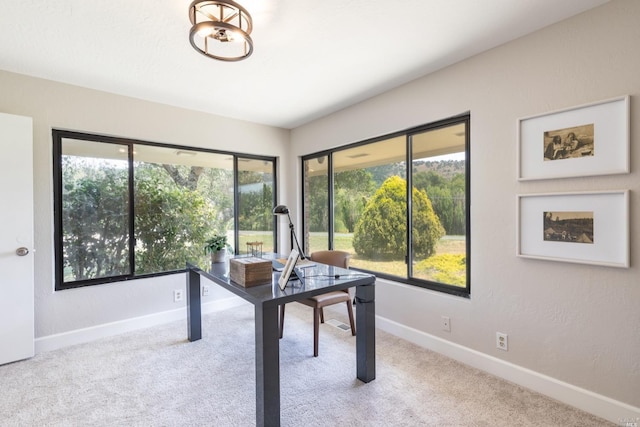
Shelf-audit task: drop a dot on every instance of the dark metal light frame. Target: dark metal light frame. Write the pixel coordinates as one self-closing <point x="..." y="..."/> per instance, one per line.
<point x="221" y="29"/>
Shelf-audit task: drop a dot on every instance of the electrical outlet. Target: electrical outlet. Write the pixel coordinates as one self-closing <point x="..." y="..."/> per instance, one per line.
<point x="205" y="291"/>
<point x="446" y="323"/>
<point x="502" y="341"/>
<point x="177" y="295"/>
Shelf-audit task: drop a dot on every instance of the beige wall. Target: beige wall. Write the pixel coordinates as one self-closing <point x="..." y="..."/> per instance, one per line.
<point x="56" y="105"/>
<point x="577" y="323"/>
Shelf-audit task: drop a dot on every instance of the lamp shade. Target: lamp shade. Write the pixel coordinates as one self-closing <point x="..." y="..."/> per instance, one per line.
<point x="280" y="210"/>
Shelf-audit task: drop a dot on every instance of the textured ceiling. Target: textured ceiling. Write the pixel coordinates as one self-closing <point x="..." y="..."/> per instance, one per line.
<point x="311" y="58"/>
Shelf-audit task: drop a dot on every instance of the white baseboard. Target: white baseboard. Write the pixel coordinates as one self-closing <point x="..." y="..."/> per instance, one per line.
<point x="79" y="336"/>
<point x="585" y="400"/>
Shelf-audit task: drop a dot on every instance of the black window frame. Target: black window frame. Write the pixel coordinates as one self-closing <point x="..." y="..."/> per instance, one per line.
<point x="465" y="119"/>
<point x="59" y="134"/>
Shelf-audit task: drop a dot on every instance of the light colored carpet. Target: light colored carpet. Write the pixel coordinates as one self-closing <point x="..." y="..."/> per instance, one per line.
<point x="155" y="377"/>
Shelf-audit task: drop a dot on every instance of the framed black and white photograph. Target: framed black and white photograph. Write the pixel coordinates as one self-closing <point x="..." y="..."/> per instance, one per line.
<point x="586" y="228"/>
<point x="591" y="139"/>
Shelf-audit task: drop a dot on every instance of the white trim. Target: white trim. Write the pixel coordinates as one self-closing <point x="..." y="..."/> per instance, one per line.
<point x="79" y="336"/>
<point x="585" y="400"/>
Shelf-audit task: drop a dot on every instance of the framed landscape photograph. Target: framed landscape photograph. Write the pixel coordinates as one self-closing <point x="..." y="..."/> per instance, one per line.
<point x="586" y="228"/>
<point x="591" y="139"/>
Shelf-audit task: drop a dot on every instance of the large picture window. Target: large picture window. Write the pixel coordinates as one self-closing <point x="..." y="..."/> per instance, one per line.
<point x="357" y="199"/>
<point x="126" y="209"/>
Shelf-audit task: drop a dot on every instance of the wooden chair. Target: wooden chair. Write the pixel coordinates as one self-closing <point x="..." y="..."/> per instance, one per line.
<point x="338" y="259"/>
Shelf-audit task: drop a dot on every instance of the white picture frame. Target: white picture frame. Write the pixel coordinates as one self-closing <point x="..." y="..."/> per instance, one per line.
<point x="599" y="146"/>
<point x="288" y="268"/>
<point x="538" y="238"/>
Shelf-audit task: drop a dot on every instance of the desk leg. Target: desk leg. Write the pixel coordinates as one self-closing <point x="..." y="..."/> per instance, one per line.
<point x="267" y="366"/>
<point x="366" y="332"/>
<point x="194" y="306"/>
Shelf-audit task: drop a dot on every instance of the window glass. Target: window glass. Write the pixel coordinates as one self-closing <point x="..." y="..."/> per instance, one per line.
<point x="182" y="197"/>
<point x="127" y="209"/>
<point x="369" y="205"/>
<point x="439" y="205"/>
<point x="256" y="202"/>
<point x="405" y="224"/>
<point x="316" y="204"/>
<point x="95" y="210"/>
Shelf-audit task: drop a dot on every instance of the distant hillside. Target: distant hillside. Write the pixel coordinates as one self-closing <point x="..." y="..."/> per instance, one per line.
<point x="446" y="168"/>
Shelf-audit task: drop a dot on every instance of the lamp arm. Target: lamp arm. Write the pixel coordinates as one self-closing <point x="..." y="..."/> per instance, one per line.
<point x="293" y="233"/>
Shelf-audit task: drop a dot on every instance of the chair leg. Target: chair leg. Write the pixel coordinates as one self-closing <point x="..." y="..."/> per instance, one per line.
<point x="281" y="320"/>
<point x="321" y="315"/>
<point x="316" y="329"/>
<point x="350" y="311"/>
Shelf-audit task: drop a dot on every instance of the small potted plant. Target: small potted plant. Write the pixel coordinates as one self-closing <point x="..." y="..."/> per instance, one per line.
<point x="217" y="247"/>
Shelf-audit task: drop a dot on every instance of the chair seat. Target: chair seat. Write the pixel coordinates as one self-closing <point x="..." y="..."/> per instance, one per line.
<point x="324" y="300"/>
<point x="337" y="259"/>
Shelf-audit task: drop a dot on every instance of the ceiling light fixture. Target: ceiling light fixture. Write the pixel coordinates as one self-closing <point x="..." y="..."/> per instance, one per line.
<point x="220" y="29"/>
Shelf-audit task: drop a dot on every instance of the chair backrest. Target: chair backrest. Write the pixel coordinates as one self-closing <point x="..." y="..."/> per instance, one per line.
<point x="335" y="258"/>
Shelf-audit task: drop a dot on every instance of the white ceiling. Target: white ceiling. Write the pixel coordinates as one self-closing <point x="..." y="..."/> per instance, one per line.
<point x="311" y="57"/>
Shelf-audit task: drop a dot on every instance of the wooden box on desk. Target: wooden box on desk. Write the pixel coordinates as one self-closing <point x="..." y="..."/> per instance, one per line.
<point x="250" y="271"/>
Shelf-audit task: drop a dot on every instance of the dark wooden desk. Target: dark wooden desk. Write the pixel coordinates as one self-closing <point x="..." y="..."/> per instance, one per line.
<point x="266" y="299"/>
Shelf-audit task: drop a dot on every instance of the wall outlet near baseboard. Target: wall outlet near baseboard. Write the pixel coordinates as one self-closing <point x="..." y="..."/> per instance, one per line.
<point x="445" y="322"/>
<point x="205" y="291"/>
<point x="502" y="341"/>
<point x="177" y="295"/>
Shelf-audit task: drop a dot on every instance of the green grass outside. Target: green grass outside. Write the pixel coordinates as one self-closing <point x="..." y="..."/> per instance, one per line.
<point x="448" y="245"/>
<point x="454" y="245"/>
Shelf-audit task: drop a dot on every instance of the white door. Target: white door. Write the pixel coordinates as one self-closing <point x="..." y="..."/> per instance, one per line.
<point x="16" y="238"/>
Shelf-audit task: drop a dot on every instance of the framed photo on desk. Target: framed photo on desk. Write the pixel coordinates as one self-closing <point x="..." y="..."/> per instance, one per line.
<point x="288" y="268"/>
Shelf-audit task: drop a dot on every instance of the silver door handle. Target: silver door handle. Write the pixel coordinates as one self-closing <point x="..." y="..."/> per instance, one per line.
<point x="22" y="251"/>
